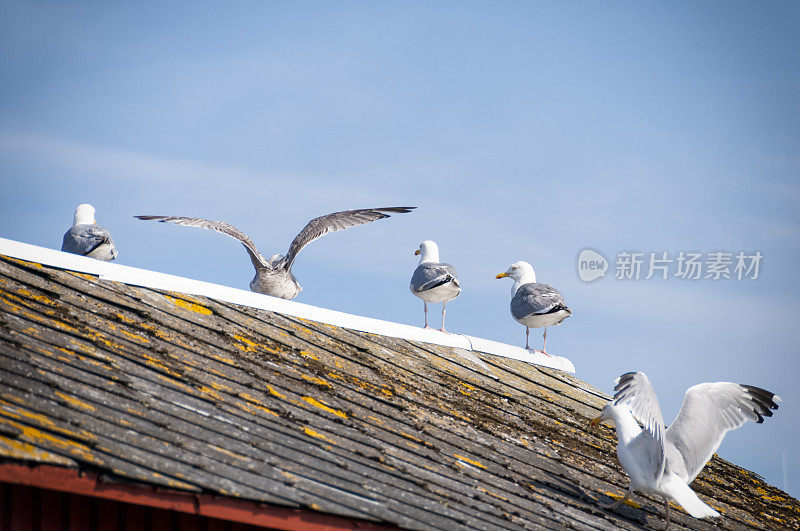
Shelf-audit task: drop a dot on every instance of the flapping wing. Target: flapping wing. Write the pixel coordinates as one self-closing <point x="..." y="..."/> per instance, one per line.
<point x="83" y="239"/>
<point x="709" y="411"/>
<point x="634" y="390"/>
<point x="428" y="276"/>
<point x="536" y="299"/>
<point x="336" y="221"/>
<point x="219" y="226"/>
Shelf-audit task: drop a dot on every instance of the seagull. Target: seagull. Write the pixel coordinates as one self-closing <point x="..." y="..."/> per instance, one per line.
<point x="434" y="281"/>
<point x="274" y="275"/>
<point x="87" y="238"/>
<point x="532" y="304"/>
<point x="664" y="461"/>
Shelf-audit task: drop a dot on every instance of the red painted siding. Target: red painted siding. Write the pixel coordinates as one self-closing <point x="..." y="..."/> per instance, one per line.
<point x="45" y="497"/>
<point x="25" y="508"/>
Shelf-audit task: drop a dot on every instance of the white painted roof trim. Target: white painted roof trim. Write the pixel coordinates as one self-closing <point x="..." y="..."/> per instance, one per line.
<point x="151" y="279"/>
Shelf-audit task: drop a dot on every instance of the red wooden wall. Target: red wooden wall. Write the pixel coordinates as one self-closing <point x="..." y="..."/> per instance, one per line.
<point x="24" y="508"/>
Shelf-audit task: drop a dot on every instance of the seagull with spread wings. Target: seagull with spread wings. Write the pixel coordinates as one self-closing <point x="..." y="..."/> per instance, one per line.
<point x="274" y="275"/>
<point x="663" y="461"/>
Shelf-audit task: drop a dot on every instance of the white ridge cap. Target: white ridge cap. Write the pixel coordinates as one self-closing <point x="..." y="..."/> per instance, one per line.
<point x="152" y="279"/>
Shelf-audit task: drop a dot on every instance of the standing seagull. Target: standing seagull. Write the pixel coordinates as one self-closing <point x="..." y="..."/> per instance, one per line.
<point x="87" y="238"/>
<point x="434" y="281"/>
<point x="274" y="276"/>
<point x="664" y="461"/>
<point x="532" y="304"/>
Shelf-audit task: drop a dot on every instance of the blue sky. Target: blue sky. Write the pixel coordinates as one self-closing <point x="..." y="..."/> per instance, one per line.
<point x="521" y="130"/>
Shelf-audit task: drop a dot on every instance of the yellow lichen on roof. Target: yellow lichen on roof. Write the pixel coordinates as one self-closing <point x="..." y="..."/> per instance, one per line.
<point x="135" y="337"/>
<point x="191" y="306"/>
<point x="100" y="337"/>
<point x="274" y="392"/>
<point x="494" y="494"/>
<point x="206" y="390"/>
<point x="409" y="436"/>
<point x="249" y="345"/>
<point x="316" y="434"/>
<point x="150" y="360"/>
<point x="23" y="262"/>
<point x="249" y="409"/>
<point x="175" y="382"/>
<point x="468" y="460"/>
<point x="315" y="380"/>
<point x="25" y="312"/>
<point x="14" y="449"/>
<point x="74" y="401"/>
<point x="43" y="439"/>
<point x="322" y="406"/>
<point x="628" y="502"/>
<point x="309" y="355"/>
<point x="30" y="295"/>
<point x="465" y="388"/>
<point x="8" y="412"/>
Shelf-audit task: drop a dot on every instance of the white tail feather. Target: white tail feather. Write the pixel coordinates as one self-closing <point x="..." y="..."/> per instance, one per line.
<point x="686" y="498"/>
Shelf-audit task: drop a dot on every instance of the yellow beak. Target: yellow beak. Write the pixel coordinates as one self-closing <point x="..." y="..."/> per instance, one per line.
<point x="416" y="252"/>
<point x="501" y="275"/>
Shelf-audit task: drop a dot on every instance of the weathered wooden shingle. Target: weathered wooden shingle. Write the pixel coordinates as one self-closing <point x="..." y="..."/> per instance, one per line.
<point x="198" y="395"/>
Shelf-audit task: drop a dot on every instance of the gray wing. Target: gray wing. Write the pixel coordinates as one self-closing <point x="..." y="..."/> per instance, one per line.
<point x="535" y="299"/>
<point x="336" y="221"/>
<point x="430" y="275"/>
<point x="83" y="239"/>
<point x="219" y="226"/>
<point x="634" y="390"/>
<point x="709" y="411"/>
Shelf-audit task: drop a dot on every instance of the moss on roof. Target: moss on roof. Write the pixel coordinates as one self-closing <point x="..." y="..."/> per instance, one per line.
<point x="199" y="395"/>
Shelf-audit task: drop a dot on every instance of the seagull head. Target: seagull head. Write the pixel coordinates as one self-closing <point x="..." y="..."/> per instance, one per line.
<point x="428" y="251"/>
<point x="274" y="259"/>
<point x="84" y="215"/>
<point x="518" y="271"/>
<point x="606" y="414"/>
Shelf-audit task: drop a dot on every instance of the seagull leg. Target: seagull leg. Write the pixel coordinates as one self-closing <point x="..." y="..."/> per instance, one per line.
<point x="666" y="512"/>
<point x="544" y="342"/>
<point x="444" y="305"/>
<point x="426" y="313"/>
<point x="527" y="334"/>
<point x="620" y="501"/>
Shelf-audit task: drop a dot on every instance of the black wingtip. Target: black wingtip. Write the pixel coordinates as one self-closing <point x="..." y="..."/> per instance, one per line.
<point x="763" y="397"/>
<point x="445" y="280"/>
<point x="397" y="210"/>
<point x="148" y="218"/>
<point x="624" y="379"/>
<point x="623" y="384"/>
<point x="762" y="400"/>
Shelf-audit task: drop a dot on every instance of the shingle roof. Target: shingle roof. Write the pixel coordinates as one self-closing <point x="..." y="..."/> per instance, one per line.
<point x="196" y="394"/>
